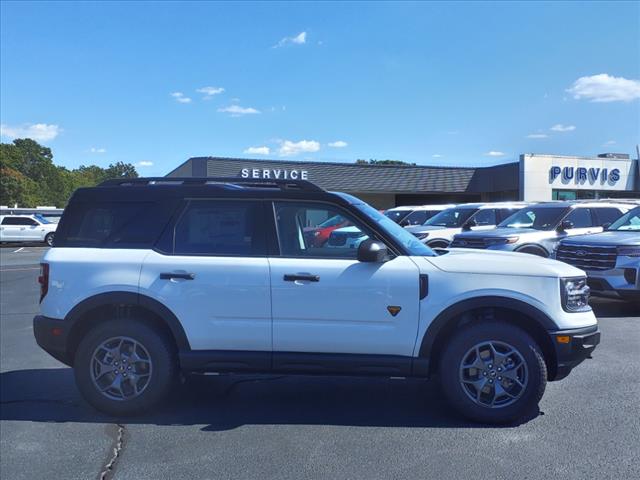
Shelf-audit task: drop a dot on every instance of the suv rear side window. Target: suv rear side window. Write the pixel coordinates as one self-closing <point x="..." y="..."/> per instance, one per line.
<point x="219" y="227"/>
<point x="607" y="215"/>
<point x="110" y="225"/>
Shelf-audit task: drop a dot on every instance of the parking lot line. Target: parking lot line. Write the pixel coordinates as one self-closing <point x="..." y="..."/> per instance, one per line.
<point x="18" y="250"/>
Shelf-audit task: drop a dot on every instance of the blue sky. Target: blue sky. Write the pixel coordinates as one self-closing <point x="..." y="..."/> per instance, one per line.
<point x="431" y="83"/>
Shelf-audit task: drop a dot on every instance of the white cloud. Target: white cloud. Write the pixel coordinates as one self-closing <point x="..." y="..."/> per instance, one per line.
<point x="289" y="148"/>
<point x="609" y="143"/>
<point x="145" y="163"/>
<point x="180" y="97"/>
<point x="537" y="135"/>
<point x="437" y="155"/>
<point x="563" y="128"/>
<point x="97" y="150"/>
<point x="209" y="92"/>
<point x="494" y="153"/>
<point x="40" y="132"/>
<point x="238" y="111"/>
<point x="258" y="151"/>
<point x="605" y="88"/>
<point x="338" y="144"/>
<point x="299" y="39"/>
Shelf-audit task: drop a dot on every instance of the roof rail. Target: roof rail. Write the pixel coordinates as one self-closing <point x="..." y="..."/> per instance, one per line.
<point x="241" y="182"/>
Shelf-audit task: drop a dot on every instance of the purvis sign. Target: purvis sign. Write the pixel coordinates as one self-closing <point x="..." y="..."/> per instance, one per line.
<point x="580" y="175"/>
<point x="274" y="173"/>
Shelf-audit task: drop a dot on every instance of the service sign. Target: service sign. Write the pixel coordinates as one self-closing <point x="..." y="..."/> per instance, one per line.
<point x="274" y="173"/>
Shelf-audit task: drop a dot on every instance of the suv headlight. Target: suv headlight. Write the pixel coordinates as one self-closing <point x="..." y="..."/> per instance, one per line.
<point x="575" y="294"/>
<point x="629" y="251"/>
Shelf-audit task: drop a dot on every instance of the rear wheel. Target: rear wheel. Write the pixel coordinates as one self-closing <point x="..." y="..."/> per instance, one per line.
<point x="125" y="366"/>
<point x="493" y="372"/>
<point x="48" y="239"/>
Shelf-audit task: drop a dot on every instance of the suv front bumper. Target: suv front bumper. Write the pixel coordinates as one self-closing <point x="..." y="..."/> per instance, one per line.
<point x="572" y="347"/>
<point x="52" y="335"/>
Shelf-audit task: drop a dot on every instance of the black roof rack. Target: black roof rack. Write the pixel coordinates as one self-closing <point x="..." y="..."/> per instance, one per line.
<point x="240" y="182"/>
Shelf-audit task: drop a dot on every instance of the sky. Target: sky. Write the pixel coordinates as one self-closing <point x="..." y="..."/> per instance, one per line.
<point x="454" y="84"/>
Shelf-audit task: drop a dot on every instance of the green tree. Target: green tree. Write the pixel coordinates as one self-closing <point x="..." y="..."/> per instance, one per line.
<point x="29" y="177"/>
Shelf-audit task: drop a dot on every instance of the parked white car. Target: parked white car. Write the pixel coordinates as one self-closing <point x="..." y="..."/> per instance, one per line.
<point x="150" y="277"/>
<point x="26" y="228"/>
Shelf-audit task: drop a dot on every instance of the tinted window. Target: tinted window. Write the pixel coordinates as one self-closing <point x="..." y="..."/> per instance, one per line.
<point x="110" y="224"/>
<point x="505" y="213"/>
<point x="218" y="227"/>
<point x="418" y="217"/>
<point x="397" y="215"/>
<point x="629" y="222"/>
<point x="538" y="218"/>
<point x="18" y="221"/>
<point x="486" y="216"/>
<point x="451" y="217"/>
<point x="580" y="217"/>
<point x="607" y="215"/>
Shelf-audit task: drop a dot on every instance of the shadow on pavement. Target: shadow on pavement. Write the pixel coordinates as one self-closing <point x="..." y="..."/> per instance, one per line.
<point x="227" y="402"/>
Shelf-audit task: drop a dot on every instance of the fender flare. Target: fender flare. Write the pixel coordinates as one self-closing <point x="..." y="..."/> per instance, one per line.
<point x="533" y="246"/>
<point x="453" y="311"/>
<point x="130" y="298"/>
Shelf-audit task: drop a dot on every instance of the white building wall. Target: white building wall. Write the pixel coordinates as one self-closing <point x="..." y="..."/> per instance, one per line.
<point x="541" y="174"/>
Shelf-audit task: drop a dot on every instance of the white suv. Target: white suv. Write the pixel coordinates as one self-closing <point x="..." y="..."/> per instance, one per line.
<point x="26" y="228"/>
<point x="151" y="277"/>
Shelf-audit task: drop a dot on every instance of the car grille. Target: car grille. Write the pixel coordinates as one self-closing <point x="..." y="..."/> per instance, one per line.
<point x="588" y="257"/>
<point x="468" y="243"/>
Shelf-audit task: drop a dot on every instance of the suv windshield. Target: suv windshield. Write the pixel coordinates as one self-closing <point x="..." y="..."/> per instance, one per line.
<point x="629" y="222"/>
<point x="537" y="218"/>
<point x="452" y="217"/>
<point x="396" y="215"/>
<point x="410" y="242"/>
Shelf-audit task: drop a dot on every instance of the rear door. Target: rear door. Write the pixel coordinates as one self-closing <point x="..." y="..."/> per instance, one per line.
<point x="326" y="301"/>
<point x="9" y="229"/>
<point x="215" y="276"/>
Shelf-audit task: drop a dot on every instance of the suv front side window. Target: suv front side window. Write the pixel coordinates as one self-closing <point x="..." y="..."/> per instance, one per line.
<point x="580" y="218"/>
<point x="297" y="222"/>
<point x="484" y="217"/>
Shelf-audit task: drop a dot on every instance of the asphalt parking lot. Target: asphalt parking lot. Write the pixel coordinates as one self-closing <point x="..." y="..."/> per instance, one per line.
<point x="243" y="427"/>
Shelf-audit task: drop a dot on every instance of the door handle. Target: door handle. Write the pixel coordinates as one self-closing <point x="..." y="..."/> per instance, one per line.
<point x="292" y="277"/>
<point x="171" y="275"/>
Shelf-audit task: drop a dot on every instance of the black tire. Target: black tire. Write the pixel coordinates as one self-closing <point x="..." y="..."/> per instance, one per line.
<point x="539" y="252"/>
<point x="161" y="352"/>
<point x="462" y="342"/>
<point x="48" y="239"/>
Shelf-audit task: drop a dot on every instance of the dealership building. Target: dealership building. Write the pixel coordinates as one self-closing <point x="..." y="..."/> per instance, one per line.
<point x="535" y="177"/>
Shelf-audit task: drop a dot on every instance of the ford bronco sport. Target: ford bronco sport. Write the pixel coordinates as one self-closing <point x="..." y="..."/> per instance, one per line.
<point x="148" y="278"/>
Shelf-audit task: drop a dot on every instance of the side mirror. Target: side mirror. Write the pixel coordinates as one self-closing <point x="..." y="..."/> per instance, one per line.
<point x="372" y="251"/>
<point x="565" y="225"/>
<point x="404" y="223"/>
<point x="606" y="226"/>
<point x="468" y="224"/>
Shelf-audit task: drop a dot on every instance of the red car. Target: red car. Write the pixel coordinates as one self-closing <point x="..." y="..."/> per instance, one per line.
<point x="318" y="235"/>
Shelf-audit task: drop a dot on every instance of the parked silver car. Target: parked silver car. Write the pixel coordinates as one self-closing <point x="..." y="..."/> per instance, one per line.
<point x="537" y="229"/>
<point x="611" y="259"/>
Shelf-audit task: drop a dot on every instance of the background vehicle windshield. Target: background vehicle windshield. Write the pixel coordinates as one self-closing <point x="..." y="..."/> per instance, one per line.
<point x="541" y="218"/>
<point x="418" y="217"/>
<point x="629" y="222"/>
<point x="396" y="215"/>
<point x="41" y="219"/>
<point x="410" y="242"/>
<point x="452" y="217"/>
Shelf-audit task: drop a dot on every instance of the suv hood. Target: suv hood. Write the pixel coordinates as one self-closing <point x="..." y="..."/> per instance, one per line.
<point x="605" y="238"/>
<point x="490" y="262"/>
<point x="498" y="233"/>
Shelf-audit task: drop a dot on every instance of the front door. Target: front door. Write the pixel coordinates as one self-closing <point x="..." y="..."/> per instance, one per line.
<point x="215" y="278"/>
<point x="325" y="301"/>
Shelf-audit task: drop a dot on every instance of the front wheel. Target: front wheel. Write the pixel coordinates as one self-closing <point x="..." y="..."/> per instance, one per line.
<point x="493" y="372"/>
<point x="125" y="366"/>
<point x="48" y="239"/>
